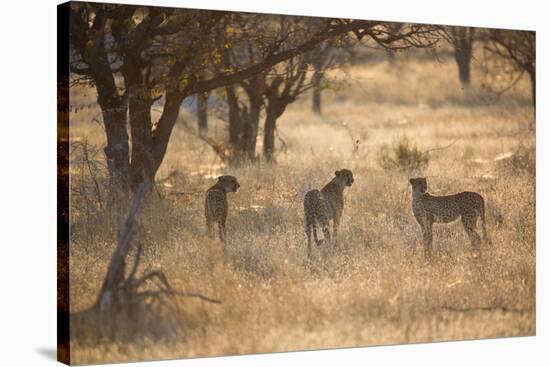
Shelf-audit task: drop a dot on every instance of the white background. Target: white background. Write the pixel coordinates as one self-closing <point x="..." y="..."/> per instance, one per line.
<point x="28" y="181"/>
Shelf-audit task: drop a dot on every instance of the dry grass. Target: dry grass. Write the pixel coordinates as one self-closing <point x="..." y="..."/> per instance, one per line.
<point x="374" y="287"/>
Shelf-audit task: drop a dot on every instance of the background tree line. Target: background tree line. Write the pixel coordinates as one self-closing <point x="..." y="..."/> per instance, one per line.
<point x="135" y="56"/>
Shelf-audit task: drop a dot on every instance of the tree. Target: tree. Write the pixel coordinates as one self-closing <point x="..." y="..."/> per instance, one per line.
<point x="272" y="89"/>
<point x="162" y="53"/>
<point x="246" y="43"/>
<point x="281" y="91"/>
<point x="390" y="53"/>
<point x="280" y="86"/>
<point x="322" y="58"/>
<point x="462" y="39"/>
<point x="247" y="99"/>
<point x="518" y="50"/>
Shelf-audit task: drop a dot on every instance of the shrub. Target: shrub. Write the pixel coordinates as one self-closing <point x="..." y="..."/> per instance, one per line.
<point x="521" y="160"/>
<point x="402" y="155"/>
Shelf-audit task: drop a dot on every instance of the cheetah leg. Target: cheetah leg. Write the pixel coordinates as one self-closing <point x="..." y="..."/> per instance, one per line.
<point x="335" y="225"/>
<point x="221" y="227"/>
<point x="315" y="238"/>
<point x="326" y="231"/>
<point x="309" y="228"/>
<point x="469" y="223"/>
<point x="209" y="228"/>
<point x="428" y="240"/>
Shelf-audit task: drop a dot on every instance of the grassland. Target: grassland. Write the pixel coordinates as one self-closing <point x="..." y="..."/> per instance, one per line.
<point x="374" y="287"/>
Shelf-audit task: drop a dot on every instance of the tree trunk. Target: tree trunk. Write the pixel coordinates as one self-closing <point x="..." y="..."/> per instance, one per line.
<point x="234" y="115"/>
<point x="139" y="115"/>
<point x="202" y="112"/>
<point x="531" y="71"/>
<point x="316" y="81"/>
<point x="274" y="110"/>
<point x="269" y="136"/>
<point x="463" y="58"/>
<point x="463" y="44"/>
<point x="244" y="120"/>
<point x="141" y="166"/>
<point x="114" y="109"/>
<point x="251" y="126"/>
<point x="117" y="151"/>
<point x="161" y="135"/>
<point x="112" y="290"/>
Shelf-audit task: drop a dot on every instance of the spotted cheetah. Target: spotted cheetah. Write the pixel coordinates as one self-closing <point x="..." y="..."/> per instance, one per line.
<point x="322" y="206"/>
<point x="429" y="209"/>
<point x="215" y="206"/>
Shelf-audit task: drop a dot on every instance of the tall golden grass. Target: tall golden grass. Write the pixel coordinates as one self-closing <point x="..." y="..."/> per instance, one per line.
<point x="374" y="287"/>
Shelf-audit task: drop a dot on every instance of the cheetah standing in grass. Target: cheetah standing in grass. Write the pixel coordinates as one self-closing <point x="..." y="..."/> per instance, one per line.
<point x="429" y="209"/>
<point x="215" y="206"/>
<point x="322" y="206"/>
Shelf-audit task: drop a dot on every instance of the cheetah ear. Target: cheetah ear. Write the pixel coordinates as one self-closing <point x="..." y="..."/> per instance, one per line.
<point x="220" y="178"/>
<point x="411" y="181"/>
<point x="337" y="173"/>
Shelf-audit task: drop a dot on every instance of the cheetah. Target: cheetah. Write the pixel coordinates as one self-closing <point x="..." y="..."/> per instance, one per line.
<point x="429" y="209"/>
<point x="215" y="206"/>
<point x="322" y="206"/>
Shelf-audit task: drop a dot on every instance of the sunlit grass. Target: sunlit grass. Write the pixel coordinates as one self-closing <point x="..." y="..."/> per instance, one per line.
<point x="374" y="287"/>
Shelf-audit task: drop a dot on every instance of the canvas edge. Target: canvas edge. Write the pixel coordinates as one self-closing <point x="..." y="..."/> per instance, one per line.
<point x="63" y="182"/>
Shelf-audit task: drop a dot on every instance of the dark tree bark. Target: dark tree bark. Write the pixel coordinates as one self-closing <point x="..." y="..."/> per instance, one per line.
<point x="463" y="40"/>
<point x="273" y="112"/>
<point x="254" y="89"/>
<point x="167" y="121"/>
<point x="243" y="124"/>
<point x="316" y="79"/>
<point x="533" y="78"/>
<point x="244" y="119"/>
<point x="139" y="114"/>
<point x="251" y="129"/>
<point x="235" y="131"/>
<point x="202" y="112"/>
<point x="117" y="150"/>
<point x="141" y="166"/>
<point x="269" y="136"/>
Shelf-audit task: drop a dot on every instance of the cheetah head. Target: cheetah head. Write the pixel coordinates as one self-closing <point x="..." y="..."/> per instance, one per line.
<point x="419" y="184"/>
<point x="229" y="183"/>
<point x="345" y="175"/>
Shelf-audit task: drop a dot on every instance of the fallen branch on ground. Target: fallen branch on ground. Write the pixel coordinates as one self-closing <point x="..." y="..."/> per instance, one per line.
<point x="483" y="308"/>
<point x="119" y="290"/>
